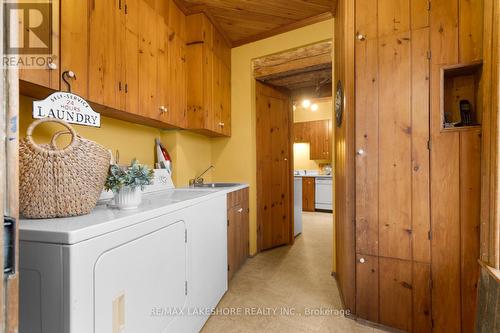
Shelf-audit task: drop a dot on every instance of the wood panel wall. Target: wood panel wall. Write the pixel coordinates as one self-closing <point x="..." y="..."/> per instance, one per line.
<point x="417" y="187"/>
<point x="490" y="251"/>
<point x="456" y="28"/>
<point x="392" y="164"/>
<point x="344" y="154"/>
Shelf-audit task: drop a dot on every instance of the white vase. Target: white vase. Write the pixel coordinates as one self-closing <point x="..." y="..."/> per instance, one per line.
<point x="128" y="198"/>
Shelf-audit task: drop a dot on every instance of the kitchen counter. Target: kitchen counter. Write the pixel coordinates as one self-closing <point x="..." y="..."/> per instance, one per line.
<point x="315" y="176"/>
<point x="102" y="220"/>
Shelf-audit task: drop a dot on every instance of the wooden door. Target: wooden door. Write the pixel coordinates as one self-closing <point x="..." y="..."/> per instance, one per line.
<point x="105" y="82"/>
<point x="392" y="164"/>
<point x="163" y="87"/>
<point x="129" y="52"/>
<point x="9" y="193"/>
<point x="74" y="44"/>
<point x="50" y="75"/>
<point x="147" y="62"/>
<point x="274" y="169"/>
<point x="308" y="194"/>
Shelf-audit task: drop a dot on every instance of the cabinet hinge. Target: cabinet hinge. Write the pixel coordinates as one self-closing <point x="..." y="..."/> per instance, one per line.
<point x="429" y="54"/>
<point x="126" y="9"/>
<point x="228" y="222"/>
<point x="119" y="85"/>
<point x="429" y="5"/>
<point x="185" y="287"/>
<point x="185" y="235"/>
<point x="429" y="145"/>
<point x="429" y="235"/>
<point x="120" y="4"/>
<point x="126" y="88"/>
<point x="228" y="269"/>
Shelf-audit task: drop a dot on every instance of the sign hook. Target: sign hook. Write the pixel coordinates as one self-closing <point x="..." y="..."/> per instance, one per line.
<point x="69" y="74"/>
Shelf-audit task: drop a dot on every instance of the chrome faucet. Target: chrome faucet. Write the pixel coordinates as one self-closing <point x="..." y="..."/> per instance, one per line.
<point x="199" y="180"/>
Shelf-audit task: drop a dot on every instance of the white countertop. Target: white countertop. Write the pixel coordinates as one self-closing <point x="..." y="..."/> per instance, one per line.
<point x="101" y="220"/>
<point x="315" y="176"/>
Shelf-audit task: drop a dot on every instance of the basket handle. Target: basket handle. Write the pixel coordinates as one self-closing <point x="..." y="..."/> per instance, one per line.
<point x="56" y="136"/>
<point x="41" y="149"/>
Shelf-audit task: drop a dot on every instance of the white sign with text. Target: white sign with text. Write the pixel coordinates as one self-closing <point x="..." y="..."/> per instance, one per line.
<point x="68" y="107"/>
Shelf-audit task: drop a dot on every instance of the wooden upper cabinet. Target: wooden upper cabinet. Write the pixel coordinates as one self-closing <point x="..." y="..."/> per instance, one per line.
<point x="321" y="140"/>
<point x="318" y="134"/>
<point x="74" y="44"/>
<point x="302" y="132"/>
<point x="209" y="78"/>
<point x="50" y="75"/>
<point x="105" y="78"/>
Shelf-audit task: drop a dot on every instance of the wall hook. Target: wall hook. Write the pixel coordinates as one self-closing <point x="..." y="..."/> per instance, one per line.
<point x="69" y="74"/>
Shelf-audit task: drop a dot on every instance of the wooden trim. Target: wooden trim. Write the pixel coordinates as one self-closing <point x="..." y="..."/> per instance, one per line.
<point x="204" y="9"/>
<point x="494" y="272"/>
<point x="285" y="28"/>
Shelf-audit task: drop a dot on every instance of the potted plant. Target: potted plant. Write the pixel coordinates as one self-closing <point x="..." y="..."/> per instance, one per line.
<point x="128" y="183"/>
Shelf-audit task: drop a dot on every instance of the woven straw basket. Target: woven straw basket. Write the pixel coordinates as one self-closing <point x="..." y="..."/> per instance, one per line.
<point x="60" y="183"/>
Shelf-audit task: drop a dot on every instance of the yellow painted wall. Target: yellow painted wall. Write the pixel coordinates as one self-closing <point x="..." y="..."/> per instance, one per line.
<point x="301" y="151"/>
<point x="132" y="140"/>
<point x="301" y="114"/>
<point x="190" y="152"/>
<point x="234" y="158"/>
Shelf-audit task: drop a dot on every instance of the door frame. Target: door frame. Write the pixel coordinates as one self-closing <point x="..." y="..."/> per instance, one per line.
<point x="9" y="183"/>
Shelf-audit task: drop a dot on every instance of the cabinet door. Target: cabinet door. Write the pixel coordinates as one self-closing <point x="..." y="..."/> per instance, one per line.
<point x="308" y="194"/>
<point x="74" y="44"/>
<point x="105" y="82"/>
<point x="217" y="95"/>
<point x="50" y="76"/>
<point x="147" y="62"/>
<point x="225" y="91"/>
<point x="163" y="88"/>
<point x="129" y="53"/>
<point x="232" y="244"/>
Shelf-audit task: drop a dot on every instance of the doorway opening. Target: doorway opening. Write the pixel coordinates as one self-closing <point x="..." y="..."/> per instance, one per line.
<point x="294" y="143"/>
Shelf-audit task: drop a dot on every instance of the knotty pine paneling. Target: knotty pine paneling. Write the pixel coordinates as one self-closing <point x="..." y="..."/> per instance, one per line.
<point x="420" y="153"/>
<point x="395" y="190"/>
<point x="367" y="125"/>
<point x="367" y="282"/>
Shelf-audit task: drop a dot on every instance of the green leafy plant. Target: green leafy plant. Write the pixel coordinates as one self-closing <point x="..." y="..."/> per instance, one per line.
<point x="135" y="175"/>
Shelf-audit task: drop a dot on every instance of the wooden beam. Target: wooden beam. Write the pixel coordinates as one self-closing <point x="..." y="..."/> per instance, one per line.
<point x="305" y="58"/>
<point x="302" y="80"/>
<point x="285" y="28"/>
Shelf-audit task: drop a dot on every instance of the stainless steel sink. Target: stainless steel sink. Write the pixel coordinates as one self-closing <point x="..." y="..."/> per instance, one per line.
<point x="215" y="185"/>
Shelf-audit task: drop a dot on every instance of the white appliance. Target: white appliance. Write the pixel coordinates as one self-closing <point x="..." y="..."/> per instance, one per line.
<point x="323" y="193"/>
<point x="297" y="206"/>
<point x="126" y="272"/>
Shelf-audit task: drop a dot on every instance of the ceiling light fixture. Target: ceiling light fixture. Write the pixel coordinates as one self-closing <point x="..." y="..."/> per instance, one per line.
<point x="306" y="103"/>
<point x="314" y="107"/>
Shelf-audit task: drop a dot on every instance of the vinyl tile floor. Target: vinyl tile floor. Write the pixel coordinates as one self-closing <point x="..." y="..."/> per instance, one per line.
<point x="287" y="289"/>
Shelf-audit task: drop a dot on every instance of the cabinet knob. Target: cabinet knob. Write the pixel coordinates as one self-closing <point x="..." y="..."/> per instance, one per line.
<point x="52" y="65"/>
<point x="163" y="109"/>
<point x="362" y="260"/>
<point x="221" y="124"/>
<point x="360" y="37"/>
<point x="240" y="210"/>
<point x="360" y="152"/>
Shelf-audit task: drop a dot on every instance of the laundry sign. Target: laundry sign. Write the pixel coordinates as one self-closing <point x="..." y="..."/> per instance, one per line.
<point x="68" y="107"/>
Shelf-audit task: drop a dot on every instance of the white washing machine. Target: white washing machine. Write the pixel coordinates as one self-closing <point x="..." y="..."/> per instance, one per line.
<point x="145" y="276"/>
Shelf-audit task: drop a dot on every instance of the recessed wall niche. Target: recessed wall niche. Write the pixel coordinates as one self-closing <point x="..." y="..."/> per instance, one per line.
<point x="460" y="105"/>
